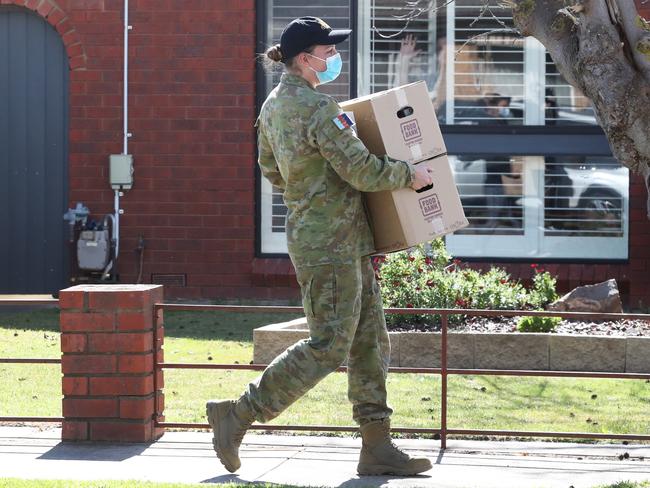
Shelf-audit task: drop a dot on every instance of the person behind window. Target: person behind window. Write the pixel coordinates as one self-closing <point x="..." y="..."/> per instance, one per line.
<point x="491" y="109"/>
<point x="404" y="72"/>
<point x="308" y="149"/>
<point x="405" y="69"/>
<point x="495" y="110"/>
<point x="551" y="110"/>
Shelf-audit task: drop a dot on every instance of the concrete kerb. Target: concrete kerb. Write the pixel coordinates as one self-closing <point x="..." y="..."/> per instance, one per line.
<point x="527" y="351"/>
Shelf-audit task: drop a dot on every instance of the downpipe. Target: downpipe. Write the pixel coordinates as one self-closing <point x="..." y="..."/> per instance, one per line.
<point x="125" y="141"/>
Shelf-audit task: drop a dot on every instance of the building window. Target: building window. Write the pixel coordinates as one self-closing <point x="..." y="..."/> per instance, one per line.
<point x="279" y="13"/>
<point x="478" y="70"/>
<point x="537" y="207"/>
<point x="481" y="75"/>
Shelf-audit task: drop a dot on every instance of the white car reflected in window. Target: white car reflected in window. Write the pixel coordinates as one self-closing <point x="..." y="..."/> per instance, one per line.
<point x="581" y="196"/>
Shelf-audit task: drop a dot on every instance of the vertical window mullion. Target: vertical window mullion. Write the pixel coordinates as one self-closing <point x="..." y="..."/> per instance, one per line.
<point x="451" y="54"/>
<point x="533" y="203"/>
<point x="365" y="49"/>
<point x="535" y="71"/>
<point x="278" y="13"/>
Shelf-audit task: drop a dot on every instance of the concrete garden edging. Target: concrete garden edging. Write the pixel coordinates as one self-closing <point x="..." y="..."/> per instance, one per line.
<point x="555" y="352"/>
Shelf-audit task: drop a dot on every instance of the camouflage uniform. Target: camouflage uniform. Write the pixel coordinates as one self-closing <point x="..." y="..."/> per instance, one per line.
<point x="322" y="171"/>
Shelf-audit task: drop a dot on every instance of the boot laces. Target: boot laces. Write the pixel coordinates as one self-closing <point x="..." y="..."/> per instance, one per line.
<point x="391" y="445"/>
<point x="398" y="451"/>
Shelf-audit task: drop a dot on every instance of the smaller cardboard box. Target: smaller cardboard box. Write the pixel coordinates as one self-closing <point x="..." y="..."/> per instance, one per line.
<point x="404" y="218"/>
<point x="402" y="123"/>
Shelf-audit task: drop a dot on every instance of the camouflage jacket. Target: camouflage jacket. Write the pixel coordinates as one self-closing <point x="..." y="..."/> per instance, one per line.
<point x="322" y="170"/>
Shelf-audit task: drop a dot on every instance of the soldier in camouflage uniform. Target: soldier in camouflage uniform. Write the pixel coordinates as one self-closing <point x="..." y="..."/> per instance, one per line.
<point x="308" y="149"/>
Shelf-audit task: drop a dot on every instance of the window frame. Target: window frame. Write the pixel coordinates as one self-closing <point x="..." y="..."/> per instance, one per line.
<point x="522" y="140"/>
<point x="262" y="18"/>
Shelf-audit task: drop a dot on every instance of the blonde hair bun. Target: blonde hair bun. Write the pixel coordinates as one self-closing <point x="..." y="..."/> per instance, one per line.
<point x="274" y="53"/>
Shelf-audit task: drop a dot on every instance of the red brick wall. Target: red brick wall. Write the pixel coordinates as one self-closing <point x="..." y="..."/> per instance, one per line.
<point x="192" y="108"/>
<point x="191" y="111"/>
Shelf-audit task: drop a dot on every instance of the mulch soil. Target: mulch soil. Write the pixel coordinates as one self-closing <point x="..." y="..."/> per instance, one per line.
<point x="626" y="328"/>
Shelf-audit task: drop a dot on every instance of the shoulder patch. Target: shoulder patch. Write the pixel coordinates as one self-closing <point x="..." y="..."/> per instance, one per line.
<point x="343" y="121"/>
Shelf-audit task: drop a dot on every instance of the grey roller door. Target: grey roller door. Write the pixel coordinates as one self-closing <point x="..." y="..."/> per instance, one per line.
<point x="33" y="154"/>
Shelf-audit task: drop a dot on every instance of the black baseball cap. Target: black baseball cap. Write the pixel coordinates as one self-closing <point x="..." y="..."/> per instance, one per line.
<point x="303" y="32"/>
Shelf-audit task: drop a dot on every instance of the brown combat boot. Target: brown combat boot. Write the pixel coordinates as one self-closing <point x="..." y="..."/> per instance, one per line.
<point x="229" y="419"/>
<point x="379" y="456"/>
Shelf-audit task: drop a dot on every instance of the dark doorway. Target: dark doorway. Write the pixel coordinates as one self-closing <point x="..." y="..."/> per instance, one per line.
<point x="33" y="154"/>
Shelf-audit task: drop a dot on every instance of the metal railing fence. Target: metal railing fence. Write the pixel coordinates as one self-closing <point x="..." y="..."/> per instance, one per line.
<point x="443" y="432"/>
<point x="444" y="371"/>
<point x="29" y="302"/>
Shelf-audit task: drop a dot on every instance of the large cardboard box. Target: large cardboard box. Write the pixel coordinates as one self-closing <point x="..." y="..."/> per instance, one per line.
<point x="402" y="123"/>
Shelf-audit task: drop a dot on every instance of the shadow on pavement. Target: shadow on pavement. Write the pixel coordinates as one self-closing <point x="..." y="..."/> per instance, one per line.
<point x="65" y="451"/>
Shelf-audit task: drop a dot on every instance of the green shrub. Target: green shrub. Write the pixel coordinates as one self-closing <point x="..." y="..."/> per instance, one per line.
<point x="426" y="277"/>
<point x="543" y="290"/>
<point x="538" y="324"/>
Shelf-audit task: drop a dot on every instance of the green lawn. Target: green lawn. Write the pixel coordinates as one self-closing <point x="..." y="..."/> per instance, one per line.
<point x="481" y="402"/>
<point x="17" y="483"/>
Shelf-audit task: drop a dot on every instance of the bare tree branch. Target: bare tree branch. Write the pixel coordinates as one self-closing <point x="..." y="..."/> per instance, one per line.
<point x="415" y="9"/>
<point x="508" y="30"/>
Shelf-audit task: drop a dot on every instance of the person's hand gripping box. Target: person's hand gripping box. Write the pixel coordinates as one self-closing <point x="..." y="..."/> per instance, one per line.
<point x="402" y="123"/>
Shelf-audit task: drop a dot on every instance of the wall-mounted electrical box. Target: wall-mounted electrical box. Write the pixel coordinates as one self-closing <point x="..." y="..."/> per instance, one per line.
<point x="121" y="171"/>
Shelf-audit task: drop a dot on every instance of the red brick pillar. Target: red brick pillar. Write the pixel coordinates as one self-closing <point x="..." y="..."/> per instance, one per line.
<point x="107" y="340"/>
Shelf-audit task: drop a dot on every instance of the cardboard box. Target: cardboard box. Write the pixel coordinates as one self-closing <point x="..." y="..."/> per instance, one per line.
<point x="404" y="218"/>
<point x="401" y="123"/>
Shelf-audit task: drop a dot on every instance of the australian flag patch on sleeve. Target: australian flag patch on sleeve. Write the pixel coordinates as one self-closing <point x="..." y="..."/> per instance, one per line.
<point x="343" y="121"/>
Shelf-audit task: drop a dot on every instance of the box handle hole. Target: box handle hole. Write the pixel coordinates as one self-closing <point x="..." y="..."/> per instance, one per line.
<point x="405" y="112"/>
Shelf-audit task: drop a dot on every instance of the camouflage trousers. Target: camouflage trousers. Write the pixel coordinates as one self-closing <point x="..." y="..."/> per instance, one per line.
<point x="342" y="303"/>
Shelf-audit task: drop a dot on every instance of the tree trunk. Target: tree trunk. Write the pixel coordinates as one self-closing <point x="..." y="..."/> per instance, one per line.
<point x="601" y="47"/>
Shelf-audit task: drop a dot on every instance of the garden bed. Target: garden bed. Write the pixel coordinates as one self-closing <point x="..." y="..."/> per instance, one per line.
<point x="626" y="328"/>
<point x="470" y="349"/>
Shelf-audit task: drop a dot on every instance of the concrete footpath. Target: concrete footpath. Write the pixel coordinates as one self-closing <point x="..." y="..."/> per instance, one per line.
<point x="27" y="452"/>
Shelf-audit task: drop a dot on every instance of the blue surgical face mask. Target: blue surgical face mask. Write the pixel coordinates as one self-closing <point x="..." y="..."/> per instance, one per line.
<point x="505" y="112"/>
<point x="333" y="70"/>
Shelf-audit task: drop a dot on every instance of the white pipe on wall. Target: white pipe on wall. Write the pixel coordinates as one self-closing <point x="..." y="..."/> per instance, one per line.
<point x="118" y="211"/>
<point x="126" y="76"/>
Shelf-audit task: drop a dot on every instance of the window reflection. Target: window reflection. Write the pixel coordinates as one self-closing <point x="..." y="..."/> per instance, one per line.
<point x="581" y="196"/>
<point x="584" y="196"/>
<point x="471" y="64"/>
<point x="491" y="190"/>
